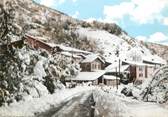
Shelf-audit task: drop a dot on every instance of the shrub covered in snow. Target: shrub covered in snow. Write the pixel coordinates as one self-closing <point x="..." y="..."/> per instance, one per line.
<point x="35" y="73"/>
<point x="152" y="89"/>
<point x="108" y="105"/>
<point x="157" y="90"/>
<point x="24" y="71"/>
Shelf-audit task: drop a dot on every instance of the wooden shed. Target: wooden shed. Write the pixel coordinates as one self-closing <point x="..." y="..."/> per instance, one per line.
<point x="111" y="80"/>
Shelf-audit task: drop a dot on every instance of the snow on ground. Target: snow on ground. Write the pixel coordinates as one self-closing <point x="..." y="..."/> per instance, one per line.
<point x="145" y="109"/>
<point x="108" y="104"/>
<point x="30" y="106"/>
<point x="78" y="106"/>
<point x="111" y="103"/>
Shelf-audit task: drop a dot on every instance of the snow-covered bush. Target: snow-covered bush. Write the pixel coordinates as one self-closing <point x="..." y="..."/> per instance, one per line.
<point x="152" y="89"/>
<point x="157" y="90"/>
<point x="31" y="72"/>
<point x="108" y="105"/>
<point x="25" y="71"/>
<point x="136" y="89"/>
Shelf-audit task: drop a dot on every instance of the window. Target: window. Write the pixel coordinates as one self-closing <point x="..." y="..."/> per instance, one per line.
<point x="140" y="68"/>
<point x="87" y="66"/>
<point x="95" y="66"/>
<point x="140" y="74"/>
<point x="99" y="66"/>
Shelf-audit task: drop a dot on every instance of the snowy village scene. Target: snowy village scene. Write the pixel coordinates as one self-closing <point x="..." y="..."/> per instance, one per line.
<point x="83" y="58"/>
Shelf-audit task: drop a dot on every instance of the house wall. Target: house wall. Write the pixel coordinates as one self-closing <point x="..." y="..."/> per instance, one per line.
<point x="110" y="82"/>
<point x="96" y="65"/>
<point x="44" y="46"/>
<point x="140" y="72"/>
<point x="85" y="66"/>
<point x="149" y="71"/>
<point x="133" y="72"/>
<point x="93" y="66"/>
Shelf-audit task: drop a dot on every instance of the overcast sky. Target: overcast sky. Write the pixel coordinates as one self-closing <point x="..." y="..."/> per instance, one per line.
<point x="143" y="19"/>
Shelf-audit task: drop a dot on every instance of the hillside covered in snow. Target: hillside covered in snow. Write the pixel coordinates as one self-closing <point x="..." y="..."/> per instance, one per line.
<point x="55" y="26"/>
<point x="108" y="44"/>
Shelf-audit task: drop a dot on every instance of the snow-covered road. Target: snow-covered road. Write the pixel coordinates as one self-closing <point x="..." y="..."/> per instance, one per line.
<point x="108" y="103"/>
<point x="77" y="102"/>
<point x="34" y="106"/>
<point x="78" y="106"/>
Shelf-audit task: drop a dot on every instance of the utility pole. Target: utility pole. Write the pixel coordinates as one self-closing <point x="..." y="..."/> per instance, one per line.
<point x="73" y="36"/>
<point x="118" y="55"/>
<point x="116" y="79"/>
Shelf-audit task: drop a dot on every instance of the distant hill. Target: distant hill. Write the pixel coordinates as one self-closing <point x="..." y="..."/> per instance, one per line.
<point x="161" y="50"/>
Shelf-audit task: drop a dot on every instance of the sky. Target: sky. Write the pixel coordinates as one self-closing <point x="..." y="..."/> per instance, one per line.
<point x="145" y="20"/>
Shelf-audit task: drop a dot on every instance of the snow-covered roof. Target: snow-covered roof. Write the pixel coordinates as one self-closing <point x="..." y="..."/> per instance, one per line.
<point x="114" y="68"/>
<point x="52" y="44"/>
<point x="64" y="48"/>
<point x="111" y="59"/>
<point x="88" y="76"/>
<point x="41" y="39"/>
<point x="113" y="65"/>
<point x="154" y="59"/>
<point x="110" y="77"/>
<point x="13" y="41"/>
<point x="137" y="63"/>
<point x="69" y="49"/>
<point x="91" y="58"/>
<point x="70" y="55"/>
